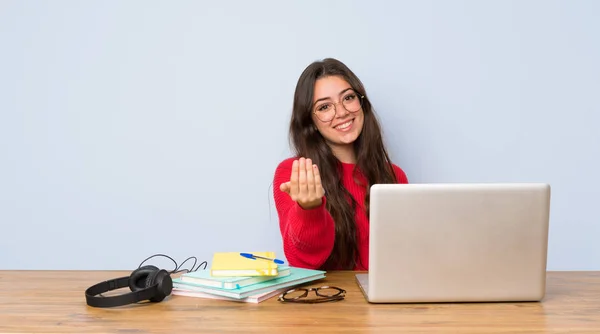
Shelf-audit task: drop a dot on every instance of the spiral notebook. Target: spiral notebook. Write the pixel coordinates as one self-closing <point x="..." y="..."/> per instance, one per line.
<point x="297" y="276"/>
<point x="229" y="282"/>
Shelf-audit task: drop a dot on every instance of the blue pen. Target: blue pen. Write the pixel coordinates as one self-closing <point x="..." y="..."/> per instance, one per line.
<point x="254" y="257"/>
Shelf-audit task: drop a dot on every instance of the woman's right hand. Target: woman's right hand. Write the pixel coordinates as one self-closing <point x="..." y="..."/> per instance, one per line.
<point x="304" y="186"/>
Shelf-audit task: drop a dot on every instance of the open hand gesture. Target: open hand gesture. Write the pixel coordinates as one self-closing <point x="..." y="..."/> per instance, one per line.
<point x="304" y="186"/>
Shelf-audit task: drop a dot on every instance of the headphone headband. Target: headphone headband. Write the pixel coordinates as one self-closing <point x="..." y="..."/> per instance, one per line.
<point x="119" y="300"/>
<point x="146" y="283"/>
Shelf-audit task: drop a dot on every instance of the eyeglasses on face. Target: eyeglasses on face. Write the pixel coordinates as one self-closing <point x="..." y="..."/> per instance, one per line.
<point x="323" y="294"/>
<point x="351" y="101"/>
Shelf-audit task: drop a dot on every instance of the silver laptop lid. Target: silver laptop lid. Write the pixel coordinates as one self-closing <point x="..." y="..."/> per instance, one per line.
<point x="458" y="242"/>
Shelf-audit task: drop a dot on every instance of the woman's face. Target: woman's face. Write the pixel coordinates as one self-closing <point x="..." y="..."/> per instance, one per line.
<point x="337" y="111"/>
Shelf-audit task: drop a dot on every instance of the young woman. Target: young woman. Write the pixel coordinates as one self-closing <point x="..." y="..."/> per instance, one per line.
<point x="322" y="194"/>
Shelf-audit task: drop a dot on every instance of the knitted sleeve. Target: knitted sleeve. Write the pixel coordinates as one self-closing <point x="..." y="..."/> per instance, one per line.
<point x="308" y="235"/>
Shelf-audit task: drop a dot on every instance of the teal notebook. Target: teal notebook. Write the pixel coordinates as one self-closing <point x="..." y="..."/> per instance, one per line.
<point x="296" y="276"/>
<point x="229" y="282"/>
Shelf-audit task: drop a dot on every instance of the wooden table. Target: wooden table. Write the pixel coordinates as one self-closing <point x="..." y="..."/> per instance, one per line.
<point x="54" y="302"/>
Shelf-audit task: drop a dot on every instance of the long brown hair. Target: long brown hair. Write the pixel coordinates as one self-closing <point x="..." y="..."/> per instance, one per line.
<point x="372" y="158"/>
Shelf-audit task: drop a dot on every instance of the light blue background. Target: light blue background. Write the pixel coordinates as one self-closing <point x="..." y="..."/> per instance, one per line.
<point x="129" y="128"/>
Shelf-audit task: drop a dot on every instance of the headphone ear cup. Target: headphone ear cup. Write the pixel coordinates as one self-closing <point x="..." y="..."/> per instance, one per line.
<point x="164" y="282"/>
<point x="139" y="277"/>
<point x="151" y="279"/>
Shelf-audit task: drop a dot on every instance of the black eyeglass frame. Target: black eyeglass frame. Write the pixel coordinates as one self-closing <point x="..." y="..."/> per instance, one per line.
<point x="339" y="295"/>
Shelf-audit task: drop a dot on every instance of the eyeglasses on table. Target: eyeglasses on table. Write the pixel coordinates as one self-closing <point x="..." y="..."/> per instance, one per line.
<point x="322" y="294"/>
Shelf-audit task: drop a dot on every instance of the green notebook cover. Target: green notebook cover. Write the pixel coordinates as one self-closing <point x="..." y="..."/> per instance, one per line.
<point x="204" y="278"/>
<point x="297" y="276"/>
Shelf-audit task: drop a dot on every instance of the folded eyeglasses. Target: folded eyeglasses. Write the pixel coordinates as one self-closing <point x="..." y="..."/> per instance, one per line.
<point x="323" y="294"/>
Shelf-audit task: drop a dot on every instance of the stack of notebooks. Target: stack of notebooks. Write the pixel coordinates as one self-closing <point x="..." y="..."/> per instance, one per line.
<point x="237" y="278"/>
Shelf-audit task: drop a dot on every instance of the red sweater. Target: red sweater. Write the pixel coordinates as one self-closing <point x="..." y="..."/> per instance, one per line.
<point x="308" y="235"/>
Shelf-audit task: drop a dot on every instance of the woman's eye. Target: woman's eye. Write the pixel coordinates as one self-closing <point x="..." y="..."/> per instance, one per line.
<point x="350" y="97"/>
<point x="322" y="107"/>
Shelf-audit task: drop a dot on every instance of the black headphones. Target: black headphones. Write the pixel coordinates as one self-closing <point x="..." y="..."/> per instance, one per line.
<point x="145" y="283"/>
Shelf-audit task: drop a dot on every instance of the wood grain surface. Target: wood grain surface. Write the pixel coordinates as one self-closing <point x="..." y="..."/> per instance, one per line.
<point x="54" y="302"/>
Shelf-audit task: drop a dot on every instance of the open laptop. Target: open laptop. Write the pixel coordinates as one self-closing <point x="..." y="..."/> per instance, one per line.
<point x="434" y="243"/>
